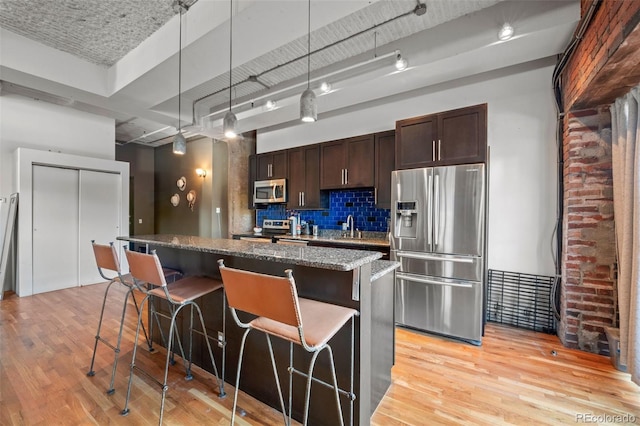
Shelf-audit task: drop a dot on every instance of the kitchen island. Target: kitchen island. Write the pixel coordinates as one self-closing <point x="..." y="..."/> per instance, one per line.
<point x="338" y="276"/>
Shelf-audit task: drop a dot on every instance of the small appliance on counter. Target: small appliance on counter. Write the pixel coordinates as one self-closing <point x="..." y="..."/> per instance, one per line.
<point x="275" y="226"/>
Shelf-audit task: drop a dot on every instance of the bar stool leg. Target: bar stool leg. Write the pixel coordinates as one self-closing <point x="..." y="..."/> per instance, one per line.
<point x="111" y="389"/>
<point x="125" y="410"/>
<point x="310" y="379"/>
<point x="235" y="395"/>
<point x="220" y="380"/>
<point x="92" y="373"/>
<point x="290" y="379"/>
<point x="275" y="374"/>
<point x="165" y="387"/>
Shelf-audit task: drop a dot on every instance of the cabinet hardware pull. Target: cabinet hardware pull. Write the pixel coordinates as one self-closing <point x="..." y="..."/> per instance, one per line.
<point x="303" y="198"/>
<point x="346" y="176"/>
<point x="433" y="150"/>
<point x="439" y="150"/>
<point x="375" y="196"/>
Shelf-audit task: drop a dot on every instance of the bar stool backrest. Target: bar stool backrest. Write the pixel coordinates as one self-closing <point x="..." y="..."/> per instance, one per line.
<point x="263" y="295"/>
<point x="146" y="267"/>
<point x="106" y="258"/>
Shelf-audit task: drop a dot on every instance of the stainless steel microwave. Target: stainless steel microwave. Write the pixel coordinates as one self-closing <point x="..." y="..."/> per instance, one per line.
<point x="270" y="191"/>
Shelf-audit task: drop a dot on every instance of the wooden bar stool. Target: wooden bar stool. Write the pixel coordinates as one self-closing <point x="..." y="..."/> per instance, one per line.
<point x="179" y="294"/>
<point x="281" y="313"/>
<point x="107" y="260"/>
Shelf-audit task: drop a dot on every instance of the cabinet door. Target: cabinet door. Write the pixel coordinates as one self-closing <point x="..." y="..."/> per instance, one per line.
<point x="279" y="165"/>
<point x="332" y="165"/>
<point x="304" y="177"/>
<point x="253" y="174"/>
<point x="295" y="183"/>
<point x="312" y="197"/>
<point x="359" y="162"/>
<point x="462" y="135"/>
<point x="384" y="165"/>
<point x="271" y="165"/>
<point x="264" y="163"/>
<point x="415" y="142"/>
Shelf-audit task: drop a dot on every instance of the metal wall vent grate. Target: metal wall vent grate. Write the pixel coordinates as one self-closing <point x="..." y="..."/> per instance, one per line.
<point x="520" y="300"/>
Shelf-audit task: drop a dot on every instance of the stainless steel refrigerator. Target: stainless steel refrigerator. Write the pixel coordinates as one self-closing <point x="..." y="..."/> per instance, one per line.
<point x="438" y="236"/>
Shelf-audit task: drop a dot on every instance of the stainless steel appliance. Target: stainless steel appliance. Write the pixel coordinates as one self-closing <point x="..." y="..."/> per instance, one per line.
<point x="275" y="226"/>
<point x="270" y="191"/>
<point x="438" y="236"/>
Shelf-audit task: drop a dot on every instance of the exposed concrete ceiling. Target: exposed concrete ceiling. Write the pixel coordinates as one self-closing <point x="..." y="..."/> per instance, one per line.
<point x="120" y="58"/>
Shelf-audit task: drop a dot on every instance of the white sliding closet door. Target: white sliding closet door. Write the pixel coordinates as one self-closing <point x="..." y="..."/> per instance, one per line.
<point x="100" y="206"/>
<point x="55" y="228"/>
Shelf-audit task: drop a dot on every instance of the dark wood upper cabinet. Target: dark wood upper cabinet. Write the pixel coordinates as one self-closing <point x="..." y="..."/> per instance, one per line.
<point x="385" y="144"/>
<point x="304" y="178"/>
<point x="415" y="142"/>
<point x="347" y="163"/>
<point x="252" y="179"/>
<point x="271" y="165"/>
<point x="451" y="137"/>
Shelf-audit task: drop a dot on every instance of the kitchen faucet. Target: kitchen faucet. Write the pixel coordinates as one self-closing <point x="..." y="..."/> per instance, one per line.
<point x="350" y="226"/>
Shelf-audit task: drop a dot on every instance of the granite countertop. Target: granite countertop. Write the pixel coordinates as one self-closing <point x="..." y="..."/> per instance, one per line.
<point x="318" y="257"/>
<point x="382" y="267"/>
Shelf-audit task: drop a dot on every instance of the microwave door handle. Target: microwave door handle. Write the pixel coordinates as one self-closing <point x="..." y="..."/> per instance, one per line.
<point x="273" y="191"/>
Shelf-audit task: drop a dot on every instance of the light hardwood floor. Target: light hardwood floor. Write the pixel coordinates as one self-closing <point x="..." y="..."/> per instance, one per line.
<point x="515" y="377"/>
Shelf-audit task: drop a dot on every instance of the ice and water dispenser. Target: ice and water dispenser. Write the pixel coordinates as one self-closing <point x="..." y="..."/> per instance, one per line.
<point x="406" y="219"/>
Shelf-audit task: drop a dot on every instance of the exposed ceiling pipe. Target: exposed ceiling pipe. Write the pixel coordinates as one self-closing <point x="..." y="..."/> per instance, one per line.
<point x="419" y="10"/>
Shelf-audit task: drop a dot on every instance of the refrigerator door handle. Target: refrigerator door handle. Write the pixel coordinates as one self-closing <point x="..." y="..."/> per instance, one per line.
<point x="436" y="201"/>
<point x="429" y="210"/>
<point x="426" y="256"/>
<point x="427" y="280"/>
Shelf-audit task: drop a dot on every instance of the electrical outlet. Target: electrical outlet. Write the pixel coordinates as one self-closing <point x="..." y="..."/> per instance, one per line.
<point x="139" y="220"/>
<point x="218" y="210"/>
<point x="220" y="339"/>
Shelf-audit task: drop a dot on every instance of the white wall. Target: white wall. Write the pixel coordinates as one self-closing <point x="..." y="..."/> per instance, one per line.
<point x="521" y="136"/>
<point x="26" y="123"/>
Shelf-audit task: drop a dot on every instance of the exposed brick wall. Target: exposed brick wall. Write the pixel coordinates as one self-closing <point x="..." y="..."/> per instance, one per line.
<point x="611" y="24"/>
<point x="593" y="77"/>
<point x="588" y="297"/>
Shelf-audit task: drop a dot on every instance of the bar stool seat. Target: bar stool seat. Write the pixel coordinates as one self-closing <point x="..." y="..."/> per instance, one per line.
<point x="281" y="313"/>
<point x="179" y="294"/>
<point x="321" y="322"/>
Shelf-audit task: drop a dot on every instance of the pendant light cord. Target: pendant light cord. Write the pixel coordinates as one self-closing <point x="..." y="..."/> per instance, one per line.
<point x="309" y="46"/>
<point x="180" y="71"/>
<point x="230" y="46"/>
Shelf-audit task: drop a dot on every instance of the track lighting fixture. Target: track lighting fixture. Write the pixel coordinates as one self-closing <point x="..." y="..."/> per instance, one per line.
<point x="401" y="63"/>
<point x="506" y="32"/>
<point x="308" y="106"/>
<point x="325" y="87"/>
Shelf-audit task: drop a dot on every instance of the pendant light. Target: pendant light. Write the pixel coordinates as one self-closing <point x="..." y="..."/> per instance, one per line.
<point x="229" y="122"/>
<point x="308" y="106"/>
<point x="179" y="142"/>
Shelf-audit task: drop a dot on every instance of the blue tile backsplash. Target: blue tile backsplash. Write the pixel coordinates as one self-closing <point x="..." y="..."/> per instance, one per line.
<point x="358" y="203"/>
